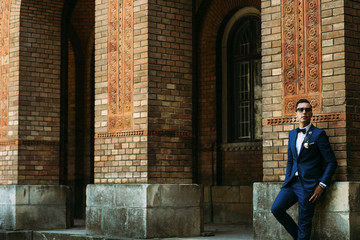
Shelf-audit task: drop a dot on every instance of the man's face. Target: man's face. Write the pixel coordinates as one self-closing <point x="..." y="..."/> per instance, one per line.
<point x="304" y="113"/>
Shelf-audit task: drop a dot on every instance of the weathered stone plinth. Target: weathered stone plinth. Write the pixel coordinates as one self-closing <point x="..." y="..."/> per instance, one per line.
<point x="34" y="207"/>
<point x="143" y="210"/>
<point x="337" y="214"/>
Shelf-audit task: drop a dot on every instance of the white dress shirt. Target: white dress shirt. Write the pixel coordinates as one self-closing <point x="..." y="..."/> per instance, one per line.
<point x="299" y="140"/>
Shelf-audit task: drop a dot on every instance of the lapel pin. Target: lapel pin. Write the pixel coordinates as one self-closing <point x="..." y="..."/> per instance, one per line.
<point x="306" y="144"/>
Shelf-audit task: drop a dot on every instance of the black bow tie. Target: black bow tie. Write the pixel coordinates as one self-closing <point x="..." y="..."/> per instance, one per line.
<point x="303" y="130"/>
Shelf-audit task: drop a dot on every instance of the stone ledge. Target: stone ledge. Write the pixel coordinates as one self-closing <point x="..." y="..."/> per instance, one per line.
<point x="33" y="207"/>
<point x="144" y="210"/>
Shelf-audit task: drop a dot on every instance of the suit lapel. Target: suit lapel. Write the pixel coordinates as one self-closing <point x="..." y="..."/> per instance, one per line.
<point x="293" y="144"/>
<point x="308" y="136"/>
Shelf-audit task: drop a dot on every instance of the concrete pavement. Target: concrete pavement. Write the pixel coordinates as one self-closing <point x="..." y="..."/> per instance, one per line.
<point x="211" y="232"/>
<point x="218" y="232"/>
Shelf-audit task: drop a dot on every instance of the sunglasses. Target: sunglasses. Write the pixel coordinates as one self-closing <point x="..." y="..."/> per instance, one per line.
<point x="302" y="109"/>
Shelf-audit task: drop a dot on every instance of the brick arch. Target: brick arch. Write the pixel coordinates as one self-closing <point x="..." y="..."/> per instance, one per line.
<point x="212" y="22"/>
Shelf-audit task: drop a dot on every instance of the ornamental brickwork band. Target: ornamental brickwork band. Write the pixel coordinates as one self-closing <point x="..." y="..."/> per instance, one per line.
<point x="301" y="53"/>
<point x="120" y="62"/>
<point x="4" y="67"/>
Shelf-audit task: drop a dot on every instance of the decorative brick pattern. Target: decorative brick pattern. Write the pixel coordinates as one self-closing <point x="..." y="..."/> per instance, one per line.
<point x="301" y="53"/>
<point x="4" y="67"/>
<point x="315" y="118"/>
<point x="331" y="80"/>
<point x="8" y="169"/>
<point x="143" y="133"/>
<point x="144" y="88"/>
<point x="156" y="148"/>
<point x="120" y="66"/>
<point x="120" y="156"/>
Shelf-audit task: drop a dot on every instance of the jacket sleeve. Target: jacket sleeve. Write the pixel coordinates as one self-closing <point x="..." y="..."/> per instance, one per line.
<point x="328" y="156"/>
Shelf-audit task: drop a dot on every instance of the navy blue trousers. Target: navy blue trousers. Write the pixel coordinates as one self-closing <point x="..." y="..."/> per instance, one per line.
<point x="287" y="197"/>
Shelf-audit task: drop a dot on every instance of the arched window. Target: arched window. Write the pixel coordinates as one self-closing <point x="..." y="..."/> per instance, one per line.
<point x="243" y="85"/>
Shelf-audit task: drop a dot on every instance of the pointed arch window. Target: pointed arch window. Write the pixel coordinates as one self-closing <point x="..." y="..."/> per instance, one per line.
<point x="244" y="80"/>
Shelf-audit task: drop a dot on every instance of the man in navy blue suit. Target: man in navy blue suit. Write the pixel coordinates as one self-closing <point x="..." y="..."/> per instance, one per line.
<point x="310" y="167"/>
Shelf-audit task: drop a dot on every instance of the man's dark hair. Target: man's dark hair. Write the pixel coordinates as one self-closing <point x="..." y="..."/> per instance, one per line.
<point x="303" y="101"/>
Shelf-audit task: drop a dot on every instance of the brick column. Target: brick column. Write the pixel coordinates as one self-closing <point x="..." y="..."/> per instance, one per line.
<point x="143" y="117"/>
<point x="30" y="117"/>
<point x="331" y="83"/>
<point x="170" y="92"/>
<point x="30" y="75"/>
<point x="143" y="102"/>
<point x="330" y="110"/>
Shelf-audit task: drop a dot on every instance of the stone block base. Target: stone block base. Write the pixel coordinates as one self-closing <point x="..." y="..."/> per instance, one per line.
<point x="16" y="235"/>
<point x="228" y="204"/>
<point x="34" y="207"/>
<point x="144" y="210"/>
<point x="337" y="214"/>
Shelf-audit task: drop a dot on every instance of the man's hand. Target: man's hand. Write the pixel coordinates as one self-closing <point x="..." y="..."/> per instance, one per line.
<point x="317" y="194"/>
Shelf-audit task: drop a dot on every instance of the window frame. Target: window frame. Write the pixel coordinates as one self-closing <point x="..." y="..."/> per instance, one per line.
<point x="236" y="23"/>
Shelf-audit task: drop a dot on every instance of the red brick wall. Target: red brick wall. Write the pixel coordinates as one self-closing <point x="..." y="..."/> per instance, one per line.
<point x="352" y="56"/>
<point x="158" y="147"/>
<point x="332" y="114"/>
<point x="211" y="21"/>
<point x="333" y="74"/>
<point x="121" y="157"/>
<point x="34" y="94"/>
<point x="9" y="91"/>
<point x="170" y="91"/>
<point x="242" y="166"/>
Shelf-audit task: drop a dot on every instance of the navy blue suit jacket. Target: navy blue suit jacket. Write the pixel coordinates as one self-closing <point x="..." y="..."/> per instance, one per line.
<point x="315" y="163"/>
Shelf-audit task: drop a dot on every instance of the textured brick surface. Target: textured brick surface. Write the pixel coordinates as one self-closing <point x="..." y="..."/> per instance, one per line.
<point x="158" y="147"/>
<point x="30" y="155"/>
<point x="211" y="22"/>
<point x="352" y="53"/>
<point x="332" y="116"/>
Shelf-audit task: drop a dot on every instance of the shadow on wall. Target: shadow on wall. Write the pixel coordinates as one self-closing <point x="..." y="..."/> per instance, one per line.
<point x="228" y="204"/>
